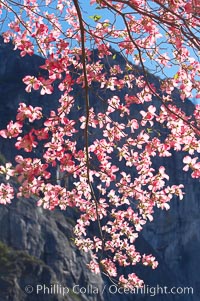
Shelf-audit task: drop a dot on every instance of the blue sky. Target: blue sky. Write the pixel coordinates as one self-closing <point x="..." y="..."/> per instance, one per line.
<point x="89" y="11"/>
<point x="168" y="72"/>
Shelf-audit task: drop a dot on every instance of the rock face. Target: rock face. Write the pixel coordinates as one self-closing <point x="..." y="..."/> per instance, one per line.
<point x="47" y="238"/>
<point x="37" y="256"/>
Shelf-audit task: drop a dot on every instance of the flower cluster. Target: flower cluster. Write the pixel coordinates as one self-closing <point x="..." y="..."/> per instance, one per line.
<point x="99" y="146"/>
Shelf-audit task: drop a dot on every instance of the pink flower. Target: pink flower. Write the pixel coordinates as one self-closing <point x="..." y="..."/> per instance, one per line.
<point x="7" y="170"/>
<point x="94" y="266"/>
<point x="46" y="87"/>
<point x="27" y="142"/>
<point x="13" y="130"/>
<point x="31" y="82"/>
<point x="6" y="193"/>
<point x="29" y="112"/>
<point x="109" y="267"/>
<point x="149" y="260"/>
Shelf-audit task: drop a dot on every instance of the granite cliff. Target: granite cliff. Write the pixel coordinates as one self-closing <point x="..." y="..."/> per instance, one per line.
<point x="36" y="246"/>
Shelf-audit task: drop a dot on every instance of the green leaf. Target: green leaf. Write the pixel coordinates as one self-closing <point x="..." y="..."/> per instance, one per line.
<point x="176" y="76"/>
<point x="149" y="131"/>
<point x="106" y="24"/>
<point x="96" y="18"/>
<point x="129" y="68"/>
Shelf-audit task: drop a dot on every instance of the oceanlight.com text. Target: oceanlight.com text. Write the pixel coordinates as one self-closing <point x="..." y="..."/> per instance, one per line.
<point x="151" y="290"/>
